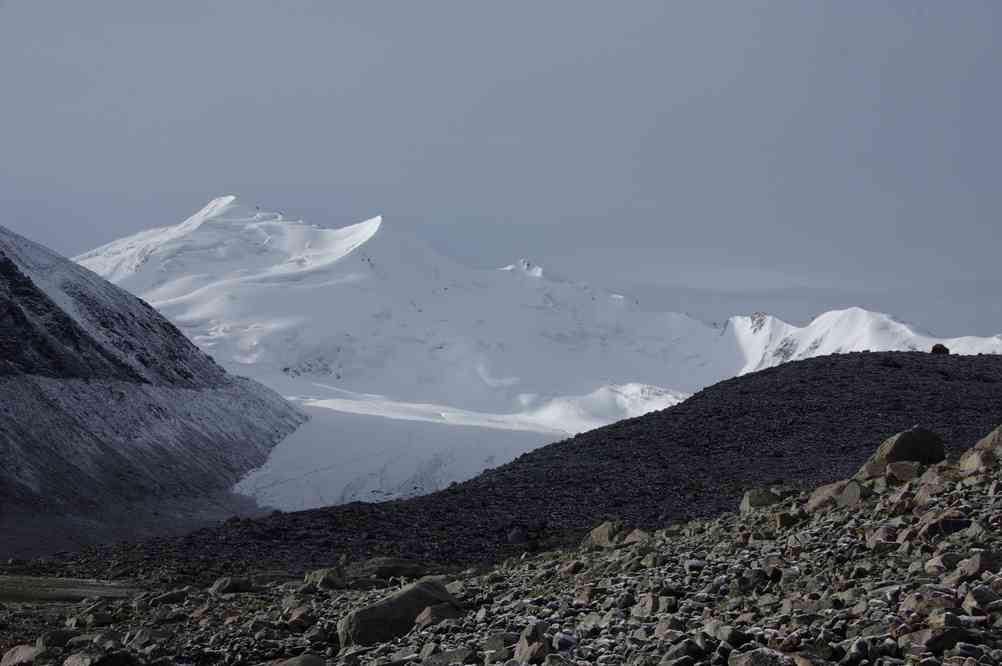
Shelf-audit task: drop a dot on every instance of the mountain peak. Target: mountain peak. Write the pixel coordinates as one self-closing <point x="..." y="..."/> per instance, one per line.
<point x="225" y="239"/>
<point x="229" y="209"/>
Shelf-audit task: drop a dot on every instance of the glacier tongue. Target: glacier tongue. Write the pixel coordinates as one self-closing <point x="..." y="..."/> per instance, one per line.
<point x="365" y="324"/>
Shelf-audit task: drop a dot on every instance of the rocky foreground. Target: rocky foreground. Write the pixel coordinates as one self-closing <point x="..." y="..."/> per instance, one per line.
<point x="902" y="563"/>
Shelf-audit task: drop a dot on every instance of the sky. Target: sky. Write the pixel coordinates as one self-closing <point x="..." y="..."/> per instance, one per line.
<point x="709" y="157"/>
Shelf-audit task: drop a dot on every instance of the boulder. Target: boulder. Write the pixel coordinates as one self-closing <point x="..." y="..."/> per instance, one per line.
<point x="758" y="498"/>
<point x="760" y="657"/>
<point x="301" y="618"/>
<point x="824" y="497"/>
<point x="21" y="654"/>
<point x="229" y="585"/>
<point x="463" y="655"/>
<point x="979" y="600"/>
<point x="935" y="639"/>
<point x="942" y="523"/>
<point x="391" y="616"/>
<point x="853" y="493"/>
<point x="977" y="461"/>
<point x="388" y="567"/>
<point x="684" y="648"/>
<point x="326" y="579"/>
<point x="984" y="456"/>
<point x="977" y="564"/>
<point x="915" y="444"/>
<point x="499" y="647"/>
<point x="532" y="646"/>
<point x="606" y="535"/>
<point x="940" y="349"/>
<point x="903" y="470"/>
<point x="929" y="599"/>
<point x="637" y="536"/>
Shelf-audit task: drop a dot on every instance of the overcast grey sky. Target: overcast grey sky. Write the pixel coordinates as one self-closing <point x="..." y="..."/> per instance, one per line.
<point x="710" y="156"/>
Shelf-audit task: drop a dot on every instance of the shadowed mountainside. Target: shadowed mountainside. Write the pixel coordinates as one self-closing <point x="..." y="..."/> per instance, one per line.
<point x="106" y="403"/>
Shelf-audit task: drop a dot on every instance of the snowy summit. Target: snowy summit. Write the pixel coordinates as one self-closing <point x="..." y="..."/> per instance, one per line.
<point x="366" y="324"/>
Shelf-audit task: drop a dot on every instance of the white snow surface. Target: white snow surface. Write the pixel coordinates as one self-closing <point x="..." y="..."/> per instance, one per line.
<point x="419" y="371"/>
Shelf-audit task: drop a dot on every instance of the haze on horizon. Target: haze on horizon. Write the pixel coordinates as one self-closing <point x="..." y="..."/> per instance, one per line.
<point x="711" y="158"/>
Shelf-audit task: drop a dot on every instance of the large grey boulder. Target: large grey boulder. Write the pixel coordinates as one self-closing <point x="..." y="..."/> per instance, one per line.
<point x="915" y="444"/>
<point x="392" y="616"/>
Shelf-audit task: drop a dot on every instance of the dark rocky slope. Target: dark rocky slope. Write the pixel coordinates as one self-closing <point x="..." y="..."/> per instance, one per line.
<point x="104" y="403"/>
<point x="804" y="423"/>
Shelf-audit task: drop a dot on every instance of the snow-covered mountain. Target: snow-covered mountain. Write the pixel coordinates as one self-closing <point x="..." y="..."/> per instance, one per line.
<point x="365" y="325"/>
<point x="104" y="402"/>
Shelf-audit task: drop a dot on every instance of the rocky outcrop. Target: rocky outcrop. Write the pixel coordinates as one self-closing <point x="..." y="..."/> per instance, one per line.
<point x="392" y="616"/>
<point x="913" y="445"/>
